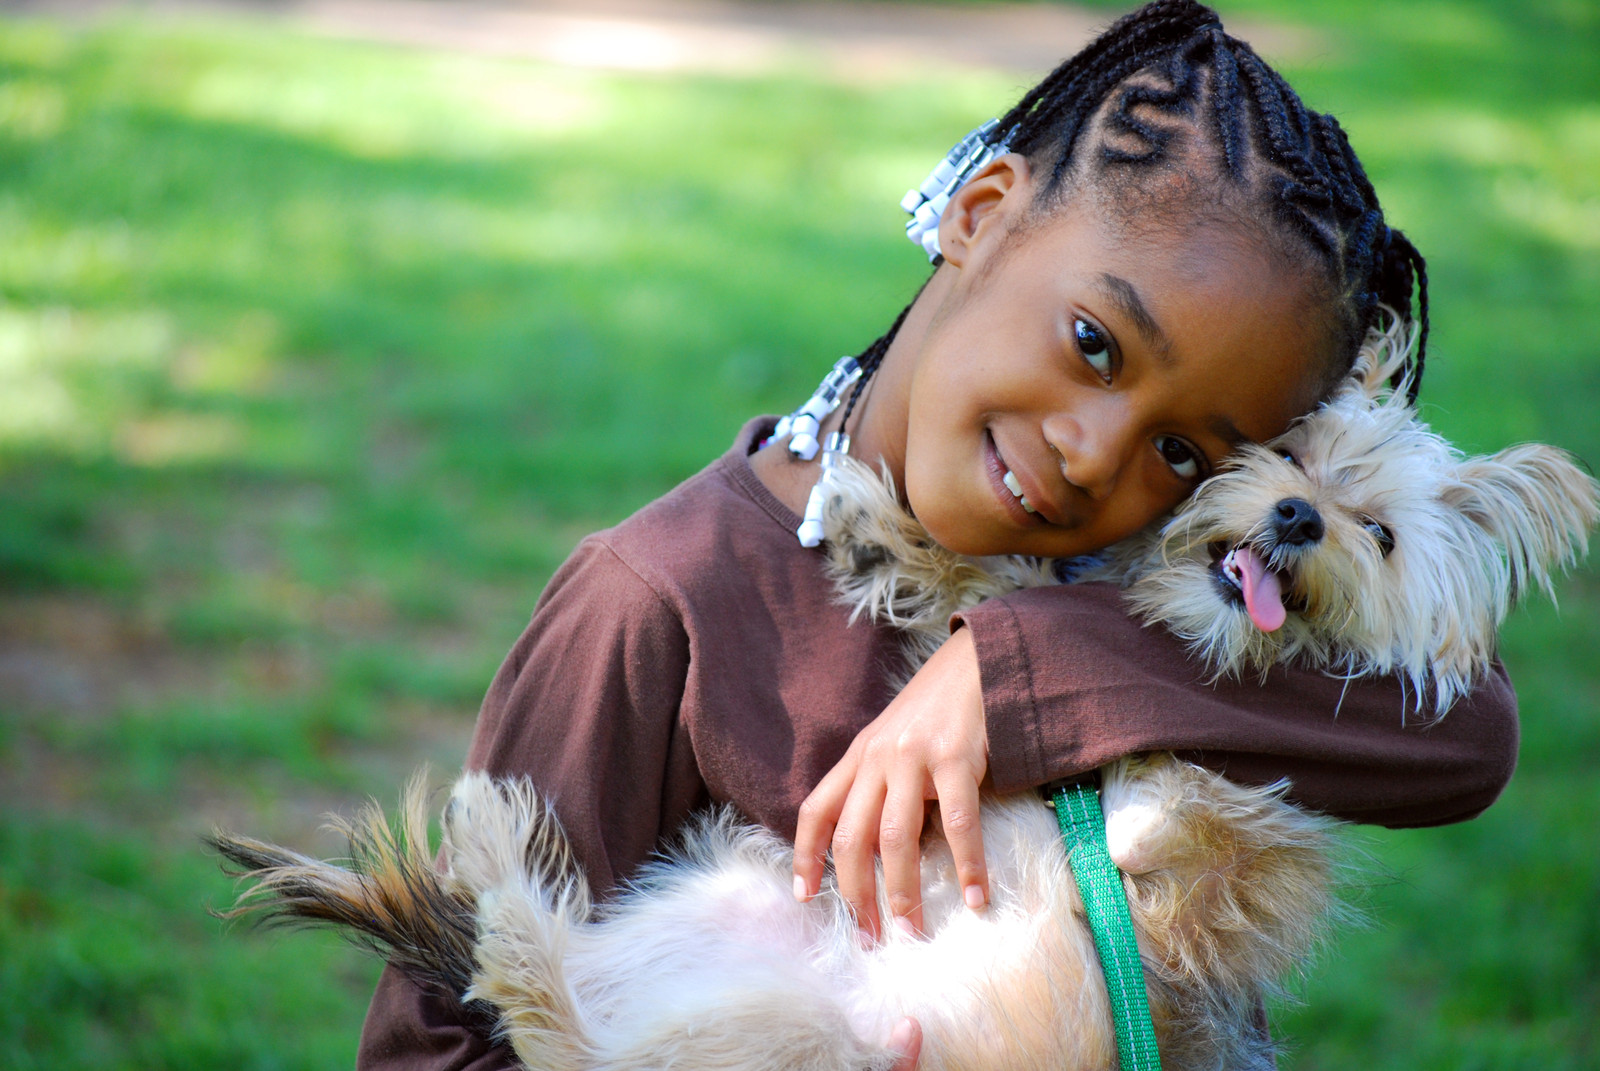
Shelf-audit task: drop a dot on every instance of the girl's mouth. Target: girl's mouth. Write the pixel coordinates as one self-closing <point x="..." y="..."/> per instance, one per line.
<point x="1015" y="487"/>
<point x="1007" y="488"/>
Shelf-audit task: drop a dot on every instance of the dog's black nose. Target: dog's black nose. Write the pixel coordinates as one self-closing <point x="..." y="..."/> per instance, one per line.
<point x="1297" y="522"/>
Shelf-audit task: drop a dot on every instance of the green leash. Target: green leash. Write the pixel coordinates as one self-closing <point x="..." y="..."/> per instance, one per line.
<point x="1083" y="831"/>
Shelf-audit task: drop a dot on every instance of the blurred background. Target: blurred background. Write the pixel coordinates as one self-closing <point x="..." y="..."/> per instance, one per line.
<point x="327" y="328"/>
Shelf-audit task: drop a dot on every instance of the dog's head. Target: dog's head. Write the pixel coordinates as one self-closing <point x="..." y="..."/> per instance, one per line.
<point x="1363" y="542"/>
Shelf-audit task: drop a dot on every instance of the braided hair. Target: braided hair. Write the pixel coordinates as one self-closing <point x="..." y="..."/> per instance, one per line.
<point x="1166" y="88"/>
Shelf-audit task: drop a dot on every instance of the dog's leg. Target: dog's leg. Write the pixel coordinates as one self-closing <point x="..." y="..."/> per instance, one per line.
<point x="706" y="963"/>
<point x="505" y="849"/>
<point x="1231" y="890"/>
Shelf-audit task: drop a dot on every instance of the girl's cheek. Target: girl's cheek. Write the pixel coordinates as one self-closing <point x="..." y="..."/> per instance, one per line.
<point x="1146" y="496"/>
<point x="1163" y="495"/>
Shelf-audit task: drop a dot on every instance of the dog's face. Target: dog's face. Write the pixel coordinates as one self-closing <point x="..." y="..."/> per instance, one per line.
<point x="1362" y="542"/>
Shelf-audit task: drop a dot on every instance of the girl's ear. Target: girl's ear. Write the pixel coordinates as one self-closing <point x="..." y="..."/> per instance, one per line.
<point x="980" y="210"/>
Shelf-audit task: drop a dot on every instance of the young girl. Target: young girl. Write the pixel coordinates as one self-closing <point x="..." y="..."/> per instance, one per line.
<point x="1168" y="255"/>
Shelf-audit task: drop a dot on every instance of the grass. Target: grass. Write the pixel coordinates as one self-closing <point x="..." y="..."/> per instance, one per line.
<point x="316" y="357"/>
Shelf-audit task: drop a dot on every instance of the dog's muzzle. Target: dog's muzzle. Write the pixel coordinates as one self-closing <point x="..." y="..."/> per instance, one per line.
<point x="1254" y="575"/>
<point x="1295" y="523"/>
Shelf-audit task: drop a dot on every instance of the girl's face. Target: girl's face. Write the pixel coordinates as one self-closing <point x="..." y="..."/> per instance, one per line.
<point x="1107" y="369"/>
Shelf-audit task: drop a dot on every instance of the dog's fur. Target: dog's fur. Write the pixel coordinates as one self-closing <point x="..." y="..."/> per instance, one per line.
<point x="707" y="962"/>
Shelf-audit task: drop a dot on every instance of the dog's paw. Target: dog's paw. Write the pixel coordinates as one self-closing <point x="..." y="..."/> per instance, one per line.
<point x="1135" y="835"/>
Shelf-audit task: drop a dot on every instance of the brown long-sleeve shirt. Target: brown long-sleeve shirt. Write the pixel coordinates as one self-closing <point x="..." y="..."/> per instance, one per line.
<point x="695" y="653"/>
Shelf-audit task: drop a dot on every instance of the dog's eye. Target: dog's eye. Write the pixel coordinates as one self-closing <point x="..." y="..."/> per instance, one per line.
<point x="1382" y="536"/>
<point x="1288" y="455"/>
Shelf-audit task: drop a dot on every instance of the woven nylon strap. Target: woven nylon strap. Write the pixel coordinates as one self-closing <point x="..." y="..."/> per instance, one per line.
<point x="1083" y="831"/>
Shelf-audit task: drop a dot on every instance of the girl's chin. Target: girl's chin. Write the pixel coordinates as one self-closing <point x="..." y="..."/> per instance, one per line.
<point x="951" y="527"/>
<point x="979" y="528"/>
<point x="964" y="532"/>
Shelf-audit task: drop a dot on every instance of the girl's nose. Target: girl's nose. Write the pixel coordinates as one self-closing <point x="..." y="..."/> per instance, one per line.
<point x="1091" y="445"/>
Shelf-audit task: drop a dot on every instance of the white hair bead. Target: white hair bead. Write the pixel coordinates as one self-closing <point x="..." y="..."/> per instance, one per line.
<point x="803" y="443"/>
<point x="805" y="423"/>
<point x="810" y="530"/>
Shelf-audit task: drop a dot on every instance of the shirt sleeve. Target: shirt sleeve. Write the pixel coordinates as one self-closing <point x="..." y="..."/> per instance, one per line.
<point x="1072" y="681"/>
<point x="587" y="706"/>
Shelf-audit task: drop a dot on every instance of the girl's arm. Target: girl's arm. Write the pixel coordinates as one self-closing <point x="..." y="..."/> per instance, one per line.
<point x="1053" y="682"/>
<point x="1099" y="686"/>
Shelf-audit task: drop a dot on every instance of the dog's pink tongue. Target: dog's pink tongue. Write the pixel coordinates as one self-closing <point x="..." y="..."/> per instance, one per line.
<point x="1263" y="596"/>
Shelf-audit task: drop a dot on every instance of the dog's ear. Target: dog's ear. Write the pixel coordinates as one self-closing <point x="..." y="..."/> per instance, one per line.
<point x="1383" y="353"/>
<point x="1536" y="502"/>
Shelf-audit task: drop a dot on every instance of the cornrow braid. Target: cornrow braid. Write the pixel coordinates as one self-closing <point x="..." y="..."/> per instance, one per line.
<point x="1052" y="113"/>
<point x="871" y="358"/>
<point x="1165" y="82"/>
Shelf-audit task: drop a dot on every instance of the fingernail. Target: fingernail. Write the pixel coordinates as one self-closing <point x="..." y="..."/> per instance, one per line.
<point x="900" y="1037"/>
<point x="801" y="892"/>
<point x="974" y="897"/>
<point x="903" y="924"/>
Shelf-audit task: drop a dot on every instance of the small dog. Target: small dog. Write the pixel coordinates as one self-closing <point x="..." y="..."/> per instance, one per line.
<point x="1359" y="542"/>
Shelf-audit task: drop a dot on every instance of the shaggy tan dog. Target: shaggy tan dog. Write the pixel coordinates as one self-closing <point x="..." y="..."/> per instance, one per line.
<point x="1360" y="542"/>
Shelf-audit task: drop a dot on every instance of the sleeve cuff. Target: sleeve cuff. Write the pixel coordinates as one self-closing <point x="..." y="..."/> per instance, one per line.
<point x="1010" y="708"/>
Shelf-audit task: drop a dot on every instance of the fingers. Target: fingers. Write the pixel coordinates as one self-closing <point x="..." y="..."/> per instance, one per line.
<point x="861" y="819"/>
<point x="900" y="847"/>
<point x="958" y="813"/>
<point x="930" y="742"/>
<point x="855" y="842"/>
<point x="819" y="816"/>
<point x="906" y="1043"/>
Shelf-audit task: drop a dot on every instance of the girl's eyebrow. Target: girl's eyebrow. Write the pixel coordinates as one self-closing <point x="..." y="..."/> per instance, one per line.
<point x="1122" y="294"/>
<point x="1227" y="431"/>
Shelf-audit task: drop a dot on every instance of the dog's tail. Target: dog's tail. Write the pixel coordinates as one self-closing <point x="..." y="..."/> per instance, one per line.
<point x="490" y="927"/>
<point x="387" y="896"/>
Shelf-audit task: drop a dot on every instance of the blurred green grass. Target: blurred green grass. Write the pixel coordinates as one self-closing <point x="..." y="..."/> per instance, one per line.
<point x="316" y="357"/>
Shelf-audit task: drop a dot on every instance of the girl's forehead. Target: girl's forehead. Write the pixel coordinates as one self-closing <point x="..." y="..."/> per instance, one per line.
<point x="1191" y="276"/>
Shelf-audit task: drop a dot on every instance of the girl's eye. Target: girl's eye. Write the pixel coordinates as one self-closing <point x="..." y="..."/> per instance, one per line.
<point x="1182" y="458"/>
<point x="1382" y="536"/>
<point x="1094" y="346"/>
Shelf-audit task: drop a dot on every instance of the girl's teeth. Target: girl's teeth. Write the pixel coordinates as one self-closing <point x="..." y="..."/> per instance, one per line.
<point x="1014" y="485"/>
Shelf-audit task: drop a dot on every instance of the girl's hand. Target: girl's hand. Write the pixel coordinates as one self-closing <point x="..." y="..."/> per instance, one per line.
<point x="906" y="1042"/>
<point x="929" y="744"/>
